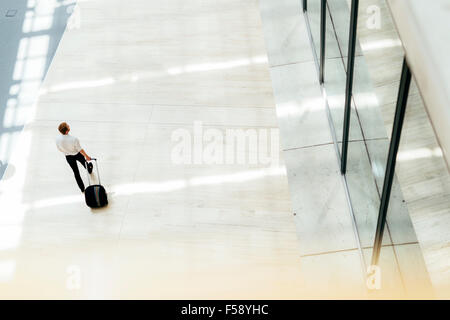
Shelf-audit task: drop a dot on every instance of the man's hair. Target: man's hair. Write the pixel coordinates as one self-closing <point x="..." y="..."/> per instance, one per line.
<point x="63" y="127"/>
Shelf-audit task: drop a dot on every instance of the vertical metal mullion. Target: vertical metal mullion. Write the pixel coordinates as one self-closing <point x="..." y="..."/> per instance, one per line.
<point x="349" y="83"/>
<point x="323" y="21"/>
<point x="305" y="5"/>
<point x="400" y="109"/>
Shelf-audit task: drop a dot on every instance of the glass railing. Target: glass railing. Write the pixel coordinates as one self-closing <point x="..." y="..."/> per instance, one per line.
<point x="370" y="93"/>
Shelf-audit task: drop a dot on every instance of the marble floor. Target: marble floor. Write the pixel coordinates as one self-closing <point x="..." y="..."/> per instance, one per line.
<point x="127" y="77"/>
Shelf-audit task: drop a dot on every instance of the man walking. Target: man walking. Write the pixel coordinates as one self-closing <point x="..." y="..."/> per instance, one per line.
<point x="71" y="148"/>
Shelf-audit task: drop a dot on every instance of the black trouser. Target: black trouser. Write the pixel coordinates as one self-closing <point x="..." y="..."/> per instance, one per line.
<point x="72" y="160"/>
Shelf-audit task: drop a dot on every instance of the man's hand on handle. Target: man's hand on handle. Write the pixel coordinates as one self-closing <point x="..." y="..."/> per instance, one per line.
<point x="85" y="155"/>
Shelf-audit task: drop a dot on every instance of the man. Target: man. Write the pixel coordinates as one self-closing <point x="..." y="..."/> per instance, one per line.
<point x="71" y="148"/>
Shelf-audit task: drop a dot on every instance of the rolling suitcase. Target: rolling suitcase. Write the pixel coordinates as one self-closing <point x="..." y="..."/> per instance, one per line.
<point x="95" y="195"/>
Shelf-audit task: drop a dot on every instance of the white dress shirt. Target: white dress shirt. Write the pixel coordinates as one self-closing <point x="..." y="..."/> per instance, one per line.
<point x="68" y="144"/>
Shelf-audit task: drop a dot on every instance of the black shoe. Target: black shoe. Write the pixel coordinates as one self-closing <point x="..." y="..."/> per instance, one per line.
<point x="90" y="166"/>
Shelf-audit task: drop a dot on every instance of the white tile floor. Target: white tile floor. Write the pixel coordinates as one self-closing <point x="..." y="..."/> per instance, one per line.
<point x="133" y="73"/>
<point x="318" y="199"/>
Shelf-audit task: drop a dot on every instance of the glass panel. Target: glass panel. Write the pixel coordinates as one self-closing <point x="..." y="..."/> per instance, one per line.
<point x="334" y="71"/>
<point x="376" y="81"/>
<point x="363" y="189"/>
<point x="314" y="22"/>
<point x="375" y="89"/>
<point x="377" y="72"/>
<point x="421" y="190"/>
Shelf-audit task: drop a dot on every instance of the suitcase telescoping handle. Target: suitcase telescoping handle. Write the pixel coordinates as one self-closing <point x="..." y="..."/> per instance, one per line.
<point x="96" y="167"/>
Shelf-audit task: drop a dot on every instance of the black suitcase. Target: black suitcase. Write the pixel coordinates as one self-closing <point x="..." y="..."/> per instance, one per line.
<point x="95" y="194"/>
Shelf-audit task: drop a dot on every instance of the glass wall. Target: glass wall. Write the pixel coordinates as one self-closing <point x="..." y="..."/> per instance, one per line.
<point x="376" y="76"/>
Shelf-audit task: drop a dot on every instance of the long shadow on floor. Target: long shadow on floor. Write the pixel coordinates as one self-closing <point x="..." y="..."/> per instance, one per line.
<point x="30" y="32"/>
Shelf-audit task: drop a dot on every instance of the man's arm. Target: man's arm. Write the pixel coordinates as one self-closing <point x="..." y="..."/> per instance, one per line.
<point x="78" y="146"/>
<point x="85" y="155"/>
